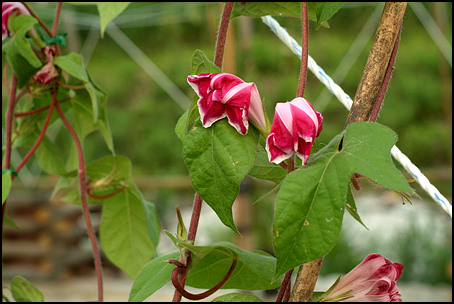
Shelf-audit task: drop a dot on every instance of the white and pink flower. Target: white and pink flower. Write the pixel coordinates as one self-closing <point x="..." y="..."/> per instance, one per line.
<point x="226" y="95"/>
<point x="294" y="129"/>
<point x="373" y="280"/>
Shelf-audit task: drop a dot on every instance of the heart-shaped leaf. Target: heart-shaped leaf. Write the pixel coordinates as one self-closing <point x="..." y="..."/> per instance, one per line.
<point x="310" y="204"/>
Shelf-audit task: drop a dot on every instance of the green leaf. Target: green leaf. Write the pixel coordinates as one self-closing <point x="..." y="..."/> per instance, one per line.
<point x="109" y="11"/>
<point x="209" y="264"/>
<point x="351" y="208"/>
<point x="237" y="297"/>
<point x="201" y="64"/>
<point x="259" y="9"/>
<point x="218" y="158"/>
<point x="263" y="169"/>
<point x="24" y="291"/>
<point x="154" y="275"/>
<point x="180" y="127"/>
<point x="310" y="204"/>
<point x="125" y="236"/>
<point x="326" y="10"/>
<point x="18" y="50"/>
<point x="6" y="185"/>
<point x="49" y="158"/>
<point x="73" y="64"/>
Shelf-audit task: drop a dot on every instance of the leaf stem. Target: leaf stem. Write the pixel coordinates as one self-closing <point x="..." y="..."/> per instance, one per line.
<point x="83" y="198"/>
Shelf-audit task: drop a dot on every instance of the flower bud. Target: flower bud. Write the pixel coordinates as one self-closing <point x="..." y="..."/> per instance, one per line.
<point x="48" y="72"/>
<point x="294" y="129"/>
<point x="373" y="280"/>
<point x="222" y="95"/>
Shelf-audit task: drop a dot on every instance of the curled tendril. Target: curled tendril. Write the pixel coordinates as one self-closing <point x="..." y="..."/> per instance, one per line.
<point x="202" y="295"/>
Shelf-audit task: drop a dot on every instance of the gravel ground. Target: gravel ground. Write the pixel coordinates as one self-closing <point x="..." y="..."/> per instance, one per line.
<point x="116" y="289"/>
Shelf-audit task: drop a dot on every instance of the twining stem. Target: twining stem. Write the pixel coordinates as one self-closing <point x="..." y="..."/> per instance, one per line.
<point x="39" y="110"/>
<point x="205" y="294"/>
<point x="284" y="291"/>
<point x="222" y="34"/>
<point x="57" y="19"/>
<point x="42" y="133"/>
<point x="384" y="86"/>
<point x="43" y="25"/>
<point x="83" y="198"/>
<point x="305" y="50"/>
<point x="218" y="59"/>
<point x="371" y="85"/>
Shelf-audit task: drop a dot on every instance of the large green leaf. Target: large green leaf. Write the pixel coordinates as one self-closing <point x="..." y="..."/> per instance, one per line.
<point x="218" y="158"/>
<point x="154" y="275"/>
<point x="125" y="236"/>
<point x="237" y="297"/>
<point x="109" y="11"/>
<point x="326" y="10"/>
<point x="310" y="204"/>
<point x="24" y="291"/>
<point x="266" y="170"/>
<point x="254" y="269"/>
<point x="73" y="64"/>
<point x="6" y="185"/>
<point x="259" y="9"/>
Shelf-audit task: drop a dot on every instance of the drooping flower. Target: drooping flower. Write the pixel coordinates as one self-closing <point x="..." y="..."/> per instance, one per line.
<point x="48" y="72"/>
<point x="373" y="280"/>
<point x="294" y="129"/>
<point x="8" y="8"/>
<point x="223" y="94"/>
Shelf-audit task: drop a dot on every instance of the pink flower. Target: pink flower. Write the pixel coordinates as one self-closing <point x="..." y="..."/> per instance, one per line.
<point x="222" y="95"/>
<point x="48" y="72"/>
<point x="294" y="129"/>
<point x="7" y="9"/>
<point x="373" y="280"/>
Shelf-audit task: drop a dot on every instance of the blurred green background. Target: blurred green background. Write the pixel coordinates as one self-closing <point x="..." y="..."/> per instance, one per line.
<point x="142" y="114"/>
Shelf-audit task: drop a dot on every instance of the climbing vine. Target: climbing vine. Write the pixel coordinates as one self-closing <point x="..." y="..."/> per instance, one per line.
<point x="226" y="135"/>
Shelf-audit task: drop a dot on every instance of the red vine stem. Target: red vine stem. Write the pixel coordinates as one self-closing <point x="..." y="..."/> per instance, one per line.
<point x="191" y="237"/>
<point x="9" y="123"/>
<point x="191" y="296"/>
<point x="284" y="291"/>
<point x="43" y="25"/>
<point x="218" y="59"/>
<point x="42" y="133"/>
<point x="8" y="130"/>
<point x="101" y="197"/>
<point x="83" y="198"/>
<point x="285" y="286"/>
<point x="39" y="110"/>
<point x="384" y="87"/>
<point x="57" y="19"/>
<point x="305" y="50"/>
<point x="222" y="34"/>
